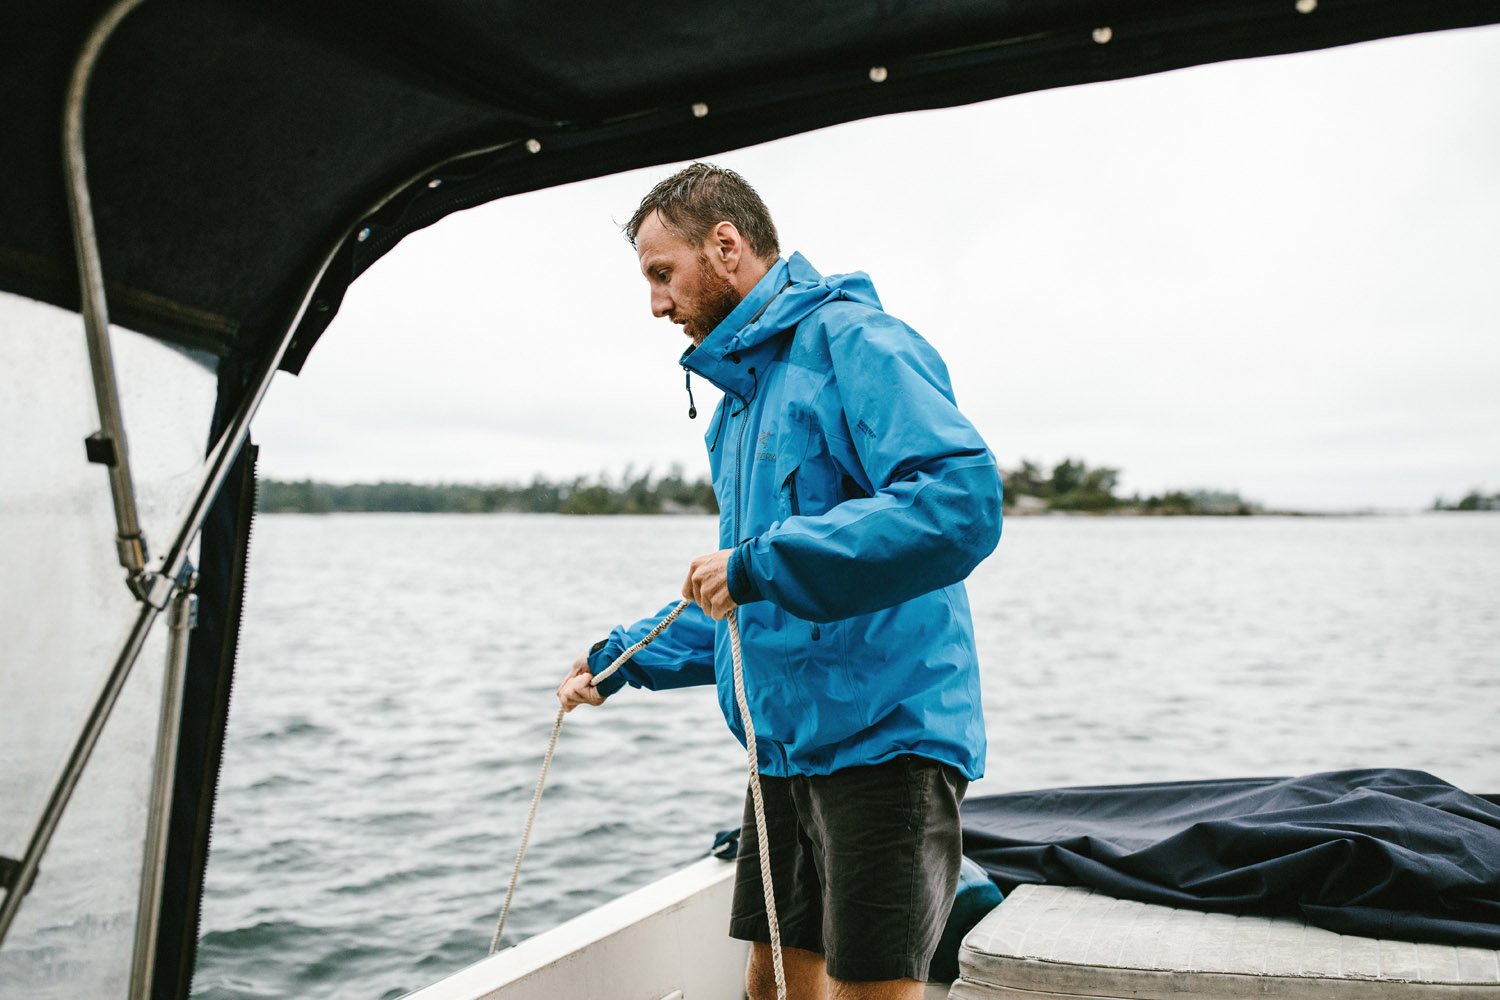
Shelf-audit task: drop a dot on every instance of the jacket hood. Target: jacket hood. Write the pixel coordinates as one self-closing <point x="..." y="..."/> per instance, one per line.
<point x="784" y="297"/>
<point x="804" y="290"/>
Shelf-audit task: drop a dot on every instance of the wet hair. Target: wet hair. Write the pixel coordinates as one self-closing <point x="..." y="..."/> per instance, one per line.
<point x="699" y="197"/>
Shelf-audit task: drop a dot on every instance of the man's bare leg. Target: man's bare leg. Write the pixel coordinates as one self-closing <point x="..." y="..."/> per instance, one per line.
<point x="806" y="979"/>
<point x="885" y="989"/>
<point x="805" y="975"/>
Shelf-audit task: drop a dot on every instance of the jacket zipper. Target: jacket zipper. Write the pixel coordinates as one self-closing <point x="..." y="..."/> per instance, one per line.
<point x="739" y="453"/>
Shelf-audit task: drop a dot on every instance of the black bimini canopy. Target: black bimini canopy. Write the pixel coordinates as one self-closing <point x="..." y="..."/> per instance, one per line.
<point x="235" y="146"/>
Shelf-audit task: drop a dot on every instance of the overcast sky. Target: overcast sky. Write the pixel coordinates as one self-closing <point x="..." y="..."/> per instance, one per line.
<point x="1278" y="277"/>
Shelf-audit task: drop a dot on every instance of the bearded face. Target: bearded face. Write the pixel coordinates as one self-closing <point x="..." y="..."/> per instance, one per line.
<point x="686" y="286"/>
<point x="704" y="305"/>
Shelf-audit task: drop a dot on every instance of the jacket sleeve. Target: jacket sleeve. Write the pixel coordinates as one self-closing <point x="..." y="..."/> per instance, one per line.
<point x="934" y="512"/>
<point x="682" y="656"/>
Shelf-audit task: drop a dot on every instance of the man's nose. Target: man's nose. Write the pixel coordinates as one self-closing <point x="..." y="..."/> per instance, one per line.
<point x="661" y="302"/>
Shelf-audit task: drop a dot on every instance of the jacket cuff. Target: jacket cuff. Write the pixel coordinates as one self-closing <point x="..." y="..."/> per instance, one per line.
<point x="601" y="655"/>
<point x="742" y="588"/>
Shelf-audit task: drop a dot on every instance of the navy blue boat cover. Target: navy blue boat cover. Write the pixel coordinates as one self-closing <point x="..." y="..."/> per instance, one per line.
<point x="1380" y="853"/>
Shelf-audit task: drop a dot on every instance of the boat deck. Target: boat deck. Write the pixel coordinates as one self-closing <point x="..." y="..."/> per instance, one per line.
<point x="1065" y="942"/>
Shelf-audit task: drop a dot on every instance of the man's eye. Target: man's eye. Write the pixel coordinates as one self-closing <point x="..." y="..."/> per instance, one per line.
<point x="661" y="276"/>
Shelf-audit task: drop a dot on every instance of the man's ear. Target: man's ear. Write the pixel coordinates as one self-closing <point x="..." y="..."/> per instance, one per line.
<point x="726" y="246"/>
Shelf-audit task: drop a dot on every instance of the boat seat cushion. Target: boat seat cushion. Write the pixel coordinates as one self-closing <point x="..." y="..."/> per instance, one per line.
<point x="1066" y="941"/>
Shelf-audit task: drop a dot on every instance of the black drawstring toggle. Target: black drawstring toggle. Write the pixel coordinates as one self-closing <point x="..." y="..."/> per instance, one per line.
<point x="687" y="380"/>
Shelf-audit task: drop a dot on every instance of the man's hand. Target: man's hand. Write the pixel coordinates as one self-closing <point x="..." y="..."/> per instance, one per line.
<point x="578" y="687"/>
<point x="707" y="584"/>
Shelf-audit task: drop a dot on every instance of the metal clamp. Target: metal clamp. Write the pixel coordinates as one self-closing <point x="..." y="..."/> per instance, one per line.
<point x="156" y="588"/>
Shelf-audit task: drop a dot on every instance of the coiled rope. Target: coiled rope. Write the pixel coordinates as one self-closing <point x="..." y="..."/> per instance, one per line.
<point x="757" y="803"/>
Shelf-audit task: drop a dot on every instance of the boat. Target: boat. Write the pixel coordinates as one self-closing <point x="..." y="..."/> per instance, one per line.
<point x="194" y="187"/>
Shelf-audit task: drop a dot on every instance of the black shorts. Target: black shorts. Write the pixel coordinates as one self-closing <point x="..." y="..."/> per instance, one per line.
<point x="864" y="862"/>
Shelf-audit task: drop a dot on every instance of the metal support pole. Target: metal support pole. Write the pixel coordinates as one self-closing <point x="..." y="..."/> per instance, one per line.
<point x="108" y="446"/>
<point x="181" y="620"/>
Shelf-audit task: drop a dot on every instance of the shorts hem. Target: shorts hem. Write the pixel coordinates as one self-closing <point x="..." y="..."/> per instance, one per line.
<point x="864" y="971"/>
<point x="756" y="930"/>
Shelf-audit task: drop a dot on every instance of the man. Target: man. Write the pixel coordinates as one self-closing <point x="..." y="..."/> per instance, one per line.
<point x="854" y="498"/>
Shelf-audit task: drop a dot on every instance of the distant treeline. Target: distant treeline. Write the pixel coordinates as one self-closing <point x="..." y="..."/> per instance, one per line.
<point x="1070" y="486"/>
<point x="671" y="494"/>
<point x="1473" y="500"/>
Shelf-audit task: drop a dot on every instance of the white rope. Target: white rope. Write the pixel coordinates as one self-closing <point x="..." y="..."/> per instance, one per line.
<point x="646" y="640"/>
<point x="536" y="800"/>
<point x="536" y="796"/>
<point x="762" y="844"/>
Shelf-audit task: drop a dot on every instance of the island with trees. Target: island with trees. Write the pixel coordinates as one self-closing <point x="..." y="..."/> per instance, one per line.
<point x="1473" y="500"/>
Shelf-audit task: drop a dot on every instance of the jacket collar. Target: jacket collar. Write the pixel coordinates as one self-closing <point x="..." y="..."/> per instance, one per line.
<point x="721" y="358"/>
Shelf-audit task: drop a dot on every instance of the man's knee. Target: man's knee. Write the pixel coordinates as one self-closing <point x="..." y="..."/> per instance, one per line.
<point x="806" y="978"/>
<point x="887" y="989"/>
<point x="760" y="975"/>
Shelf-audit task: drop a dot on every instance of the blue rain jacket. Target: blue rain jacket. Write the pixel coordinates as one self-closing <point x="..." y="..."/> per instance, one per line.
<point x="856" y="499"/>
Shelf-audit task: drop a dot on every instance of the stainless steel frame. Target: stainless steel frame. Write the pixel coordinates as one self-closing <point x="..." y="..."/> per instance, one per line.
<point x="130" y="543"/>
<point x="182" y="618"/>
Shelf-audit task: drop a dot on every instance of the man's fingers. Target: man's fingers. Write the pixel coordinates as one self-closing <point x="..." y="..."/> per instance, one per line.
<point x="692" y="587"/>
<point x="580" y="666"/>
<point x="707" y="584"/>
<point x="579" y="690"/>
<point x="578" y="687"/>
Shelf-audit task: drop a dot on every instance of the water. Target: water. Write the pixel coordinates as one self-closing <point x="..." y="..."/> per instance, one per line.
<point x="394" y="697"/>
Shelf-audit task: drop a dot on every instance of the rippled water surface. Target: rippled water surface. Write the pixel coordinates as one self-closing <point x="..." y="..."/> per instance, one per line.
<point x="394" y="698"/>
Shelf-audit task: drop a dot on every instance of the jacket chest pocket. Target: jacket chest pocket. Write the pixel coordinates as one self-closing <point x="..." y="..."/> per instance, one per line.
<point x="791" y="454"/>
<point x="790" y="504"/>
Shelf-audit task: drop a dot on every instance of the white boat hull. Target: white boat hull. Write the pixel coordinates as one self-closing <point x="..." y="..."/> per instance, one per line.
<point x="666" y="939"/>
